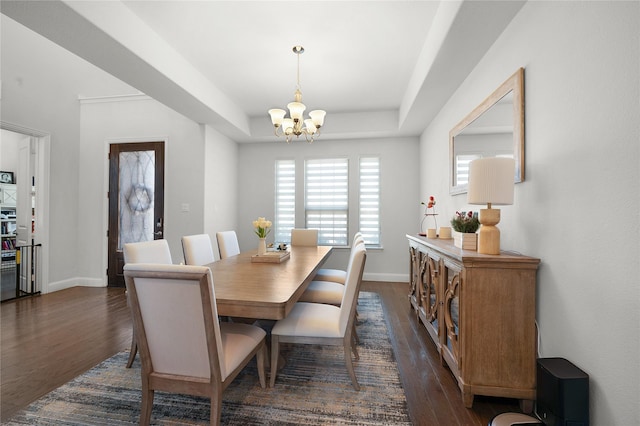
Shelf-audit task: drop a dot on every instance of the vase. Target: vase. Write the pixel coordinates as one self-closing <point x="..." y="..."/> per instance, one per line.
<point x="465" y="241"/>
<point x="262" y="246"/>
<point x="425" y="224"/>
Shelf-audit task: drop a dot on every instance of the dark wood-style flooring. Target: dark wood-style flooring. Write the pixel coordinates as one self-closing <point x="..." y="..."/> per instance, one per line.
<point x="47" y="340"/>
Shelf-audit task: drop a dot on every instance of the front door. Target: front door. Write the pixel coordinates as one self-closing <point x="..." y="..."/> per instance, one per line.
<point x="136" y="200"/>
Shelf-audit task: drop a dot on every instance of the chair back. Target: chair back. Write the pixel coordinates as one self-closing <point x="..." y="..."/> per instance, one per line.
<point x="175" y="319"/>
<point x="352" y="286"/>
<point x="304" y="237"/>
<point x="197" y="249"/>
<point x="155" y="251"/>
<point x="227" y="244"/>
<point x="357" y="241"/>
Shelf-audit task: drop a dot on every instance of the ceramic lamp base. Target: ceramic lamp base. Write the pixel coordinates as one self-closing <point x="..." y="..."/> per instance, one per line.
<point x="489" y="234"/>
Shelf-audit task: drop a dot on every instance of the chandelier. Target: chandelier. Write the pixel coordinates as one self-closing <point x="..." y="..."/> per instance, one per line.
<point x="293" y="126"/>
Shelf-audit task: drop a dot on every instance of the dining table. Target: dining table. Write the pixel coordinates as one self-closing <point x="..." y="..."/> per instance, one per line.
<point x="264" y="290"/>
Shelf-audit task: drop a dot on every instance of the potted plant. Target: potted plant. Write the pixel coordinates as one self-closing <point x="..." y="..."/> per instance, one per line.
<point x="465" y="225"/>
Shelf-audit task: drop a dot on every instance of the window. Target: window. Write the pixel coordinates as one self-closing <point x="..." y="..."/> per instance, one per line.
<point x="328" y="190"/>
<point x="462" y="167"/>
<point x="370" y="200"/>
<point x="327" y="200"/>
<point x="285" y="214"/>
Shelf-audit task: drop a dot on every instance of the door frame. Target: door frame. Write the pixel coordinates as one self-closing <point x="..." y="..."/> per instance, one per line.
<point x="105" y="200"/>
<point x="42" y="142"/>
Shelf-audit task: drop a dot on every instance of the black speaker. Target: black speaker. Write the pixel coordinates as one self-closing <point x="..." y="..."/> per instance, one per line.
<point x="562" y="393"/>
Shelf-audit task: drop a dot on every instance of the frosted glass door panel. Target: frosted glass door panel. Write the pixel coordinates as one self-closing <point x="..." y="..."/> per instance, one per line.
<point x="136" y="188"/>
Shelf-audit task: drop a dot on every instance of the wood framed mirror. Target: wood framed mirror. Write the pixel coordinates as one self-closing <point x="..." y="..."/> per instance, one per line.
<point x="495" y="128"/>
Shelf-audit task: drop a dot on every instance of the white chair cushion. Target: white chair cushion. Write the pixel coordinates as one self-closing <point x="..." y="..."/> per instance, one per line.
<point x="238" y="340"/>
<point x="335" y="275"/>
<point x="197" y="249"/>
<point x="227" y="244"/>
<point x="304" y="237"/>
<point x="310" y="319"/>
<point x="154" y="251"/>
<point x="323" y="292"/>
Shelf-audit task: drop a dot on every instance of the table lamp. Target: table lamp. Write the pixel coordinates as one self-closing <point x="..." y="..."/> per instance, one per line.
<point x="491" y="181"/>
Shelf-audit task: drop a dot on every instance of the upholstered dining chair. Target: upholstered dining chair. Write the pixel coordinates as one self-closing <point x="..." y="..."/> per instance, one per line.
<point x="227" y="244"/>
<point x="338" y="275"/>
<point x="183" y="347"/>
<point x="155" y="251"/>
<point x="317" y="323"/>
<point x="197" y="249"/>
<point x="323" y="289"/>
<point x="304" y="237"/>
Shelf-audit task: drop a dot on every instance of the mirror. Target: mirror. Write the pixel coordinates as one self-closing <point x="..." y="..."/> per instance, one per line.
<point x="495" y="128"/>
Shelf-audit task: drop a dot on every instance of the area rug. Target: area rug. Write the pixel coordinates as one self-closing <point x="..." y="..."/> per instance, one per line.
<point x="312" y="388"/>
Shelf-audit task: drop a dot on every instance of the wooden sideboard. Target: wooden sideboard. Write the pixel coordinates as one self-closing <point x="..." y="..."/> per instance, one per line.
<point x="479" y="310"/>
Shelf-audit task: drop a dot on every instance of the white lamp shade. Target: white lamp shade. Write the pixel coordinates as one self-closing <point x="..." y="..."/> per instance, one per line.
<point x="317" y="116"/>
<point x="296" y="109"/>
<point x="491" y="180"/>
<point x="277" y="115"/>
<point x="287" y="125"/>
<point x="311" y="128"/>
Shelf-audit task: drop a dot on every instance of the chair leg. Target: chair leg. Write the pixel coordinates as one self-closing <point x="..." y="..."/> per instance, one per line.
<point x="147" y="404"/>
<point x="275" y="352"/>
<point x="261" y="360"/>
<point x="216" y="406"/>
<point x="355" y="334"/>
<point x="133" y="351"/>
<point x="352" y="373"/>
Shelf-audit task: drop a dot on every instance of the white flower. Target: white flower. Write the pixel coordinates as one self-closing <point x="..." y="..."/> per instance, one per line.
<point x="262" y="227"/>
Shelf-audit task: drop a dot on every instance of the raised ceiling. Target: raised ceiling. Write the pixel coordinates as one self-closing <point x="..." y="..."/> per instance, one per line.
<point x="379" y="68"/>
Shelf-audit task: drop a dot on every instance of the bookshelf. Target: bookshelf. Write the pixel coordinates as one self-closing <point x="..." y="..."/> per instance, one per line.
<point x="8" y="225"/>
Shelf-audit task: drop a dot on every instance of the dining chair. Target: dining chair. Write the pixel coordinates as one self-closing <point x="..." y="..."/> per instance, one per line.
<point x="197" y="249"/>
<point x="304" y="237"/>
<point x="227" y="244"/>
<point x="154" y="251"/>
<point x="338" y="275"/>
<point x="183" y="347"/>
<point x="321" y="324"/>
<point x="323" y="289"/>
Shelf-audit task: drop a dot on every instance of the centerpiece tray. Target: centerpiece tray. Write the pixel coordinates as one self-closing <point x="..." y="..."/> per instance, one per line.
<point x="271" y="257"/>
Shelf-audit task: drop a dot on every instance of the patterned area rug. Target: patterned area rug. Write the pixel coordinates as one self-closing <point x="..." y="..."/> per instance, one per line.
<point x="312" y="388"/>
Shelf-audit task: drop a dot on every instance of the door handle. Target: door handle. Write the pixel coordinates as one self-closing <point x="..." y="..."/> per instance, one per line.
<point x="158" y="233"/>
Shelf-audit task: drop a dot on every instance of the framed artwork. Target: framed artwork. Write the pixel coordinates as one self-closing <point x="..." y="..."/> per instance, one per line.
<point x="6" y="177"/>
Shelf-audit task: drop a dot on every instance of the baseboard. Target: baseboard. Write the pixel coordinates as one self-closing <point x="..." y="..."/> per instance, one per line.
<point x="373" y="276"/>
<point x="96" y="282"/>
<point x="75" y="282"/>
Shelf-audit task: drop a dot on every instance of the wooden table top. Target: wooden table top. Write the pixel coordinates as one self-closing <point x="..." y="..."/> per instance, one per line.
<point x="264" y="290"/>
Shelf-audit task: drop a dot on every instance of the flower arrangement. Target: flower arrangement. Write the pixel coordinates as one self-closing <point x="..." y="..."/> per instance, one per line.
<point x="465" y="222"/>
<point x="262" y="227"/>
<point x="430" y="204"/>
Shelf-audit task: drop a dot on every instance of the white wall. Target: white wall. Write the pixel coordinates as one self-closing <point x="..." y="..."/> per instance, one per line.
<point x="220" y="184"/>
<point x="399" y="194"/>
<point x="578" y="207"/>
<point x="9" y="151"/>
<point x="36" y="95"/>
<point x="191" y="152"/>
<point x="140" y="120"/>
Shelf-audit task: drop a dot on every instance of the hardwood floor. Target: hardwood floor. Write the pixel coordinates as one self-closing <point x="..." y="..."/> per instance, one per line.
<point x="48" y="340"/>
